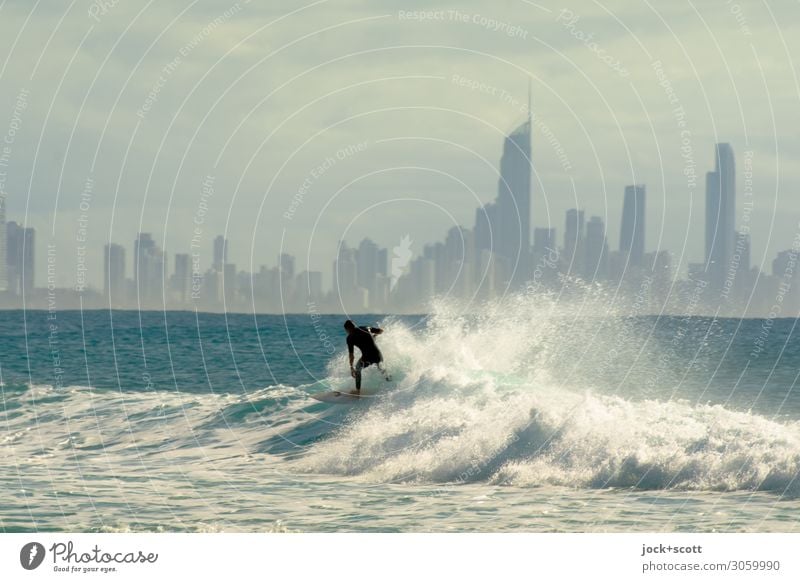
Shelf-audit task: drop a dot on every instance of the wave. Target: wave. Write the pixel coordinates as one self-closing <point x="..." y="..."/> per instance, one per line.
<point x="569" y="440"/>
<point x="155" y="429"/>
<point x="475" y="399"/>
<point x="480" y="400"/>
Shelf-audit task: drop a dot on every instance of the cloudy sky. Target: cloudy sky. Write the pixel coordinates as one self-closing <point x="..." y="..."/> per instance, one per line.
<point x="342" y="119"/>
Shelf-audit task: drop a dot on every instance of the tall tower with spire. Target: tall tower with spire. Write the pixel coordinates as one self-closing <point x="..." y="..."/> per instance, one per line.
<point x="530" y="107"/>
<point x="720" y="215"/>
<point x="514" y="194"/>
<point x="504" y="226"/>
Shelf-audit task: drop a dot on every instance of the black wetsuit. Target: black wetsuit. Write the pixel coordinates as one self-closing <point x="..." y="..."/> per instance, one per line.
<point x="363" y="340"/>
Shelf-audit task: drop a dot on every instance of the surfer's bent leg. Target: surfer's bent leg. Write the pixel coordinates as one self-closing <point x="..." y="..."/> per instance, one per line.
<point x="359" y="366"/>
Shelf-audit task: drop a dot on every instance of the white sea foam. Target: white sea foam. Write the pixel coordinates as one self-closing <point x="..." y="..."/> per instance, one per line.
<point x="478" y="401"/>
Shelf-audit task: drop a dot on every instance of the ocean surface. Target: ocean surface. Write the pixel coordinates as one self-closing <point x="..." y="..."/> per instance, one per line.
<point x="525" y="418"/>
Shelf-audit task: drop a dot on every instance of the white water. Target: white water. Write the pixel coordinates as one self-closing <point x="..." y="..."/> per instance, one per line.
<point x="506" y="416"/>
<point x="477" y="402"/>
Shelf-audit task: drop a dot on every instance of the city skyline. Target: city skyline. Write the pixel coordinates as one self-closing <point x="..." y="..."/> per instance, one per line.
<point x="92" y="277"/>
<point x="416" y="133"/>
<point x="502" y="225"/>
<point x="493" y="259"/>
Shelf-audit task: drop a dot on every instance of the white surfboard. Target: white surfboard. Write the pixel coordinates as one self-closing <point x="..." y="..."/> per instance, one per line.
<point x="337" y="397"/>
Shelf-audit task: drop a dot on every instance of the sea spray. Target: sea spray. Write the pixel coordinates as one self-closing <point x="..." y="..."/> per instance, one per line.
<point x="491" y="399"/>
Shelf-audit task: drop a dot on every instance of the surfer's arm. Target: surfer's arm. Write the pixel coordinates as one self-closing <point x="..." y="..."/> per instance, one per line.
<point x="376" y="330"/>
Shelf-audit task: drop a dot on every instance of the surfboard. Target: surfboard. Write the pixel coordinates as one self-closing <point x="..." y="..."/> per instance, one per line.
<point x="337" y="397"/>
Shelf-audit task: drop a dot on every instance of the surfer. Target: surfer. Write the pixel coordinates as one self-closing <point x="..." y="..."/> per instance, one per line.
<point x="362" y="338"/>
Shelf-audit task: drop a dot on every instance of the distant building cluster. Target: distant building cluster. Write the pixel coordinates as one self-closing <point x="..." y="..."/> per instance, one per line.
<point x="222" y="287"/>
<point x="494" y="258"/>
<point x="17" y="245"/>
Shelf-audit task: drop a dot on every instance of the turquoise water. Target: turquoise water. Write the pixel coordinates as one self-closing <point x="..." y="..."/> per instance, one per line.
<point x="528" y="418"/>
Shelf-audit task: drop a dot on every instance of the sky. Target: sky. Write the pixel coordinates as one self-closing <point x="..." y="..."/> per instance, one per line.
<point x="287" y="126"/>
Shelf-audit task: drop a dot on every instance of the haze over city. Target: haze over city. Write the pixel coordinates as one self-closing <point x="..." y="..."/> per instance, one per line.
<point x="287" y="129"/>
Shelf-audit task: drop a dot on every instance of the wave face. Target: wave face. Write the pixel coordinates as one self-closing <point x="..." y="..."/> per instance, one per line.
<point x="523" y="396"/>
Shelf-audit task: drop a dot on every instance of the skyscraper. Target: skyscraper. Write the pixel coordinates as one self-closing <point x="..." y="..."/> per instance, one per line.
<point x="345" y="272"/>
<point x="286" y="262"/>
<point x="743" y="250"/>
<point x="504" y="226"/>
<point x="148" y="269"/>
<point x="142" y="246"/>
<point x="182" y="277"/>
<point x="114" y="274"/>
<point x="20" y="243"/>
<point x="745" y="280"/>
<point x="13" y="252"/>
<point x="346" y="292"/>
<point x="28" y="258"/>
<point x="513" y="226"/>
<point x="367" y="264"/>
<point x="220" y="253"/>
<point x="383" y="262"/>
<point x="720" y="215"/>
<point x="596" y="263"/>
<point x="631" y="238"/>
<point x="573" y="240"/>
<point x="3" y="259"/>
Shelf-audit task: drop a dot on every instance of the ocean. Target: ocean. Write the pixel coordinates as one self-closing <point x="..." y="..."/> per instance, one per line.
<point x="527" y="417"/>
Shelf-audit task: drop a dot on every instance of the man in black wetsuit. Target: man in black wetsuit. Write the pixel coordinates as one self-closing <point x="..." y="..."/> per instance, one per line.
<point x="362" y="338"/>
